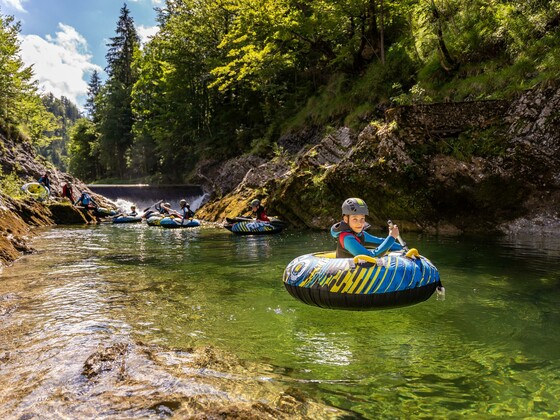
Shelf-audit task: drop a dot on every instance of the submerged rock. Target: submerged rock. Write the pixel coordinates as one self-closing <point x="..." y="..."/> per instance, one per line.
<point x="111" y="358"/>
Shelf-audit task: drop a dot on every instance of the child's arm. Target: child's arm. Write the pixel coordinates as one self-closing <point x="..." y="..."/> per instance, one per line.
<point x="374" y="240"/>
<point x="352" y="245"/>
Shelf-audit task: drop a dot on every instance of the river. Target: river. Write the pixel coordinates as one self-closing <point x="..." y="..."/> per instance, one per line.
<point x="129" y="321"/>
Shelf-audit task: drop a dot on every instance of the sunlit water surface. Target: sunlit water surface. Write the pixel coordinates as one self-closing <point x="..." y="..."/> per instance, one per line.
<point x="491" y="349"/>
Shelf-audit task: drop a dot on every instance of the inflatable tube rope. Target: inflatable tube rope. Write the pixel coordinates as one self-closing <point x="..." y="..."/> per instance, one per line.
<point x="361" y="283"/>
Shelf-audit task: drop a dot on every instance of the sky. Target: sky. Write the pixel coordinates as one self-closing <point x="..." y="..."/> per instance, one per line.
<point x="65" y="40"/>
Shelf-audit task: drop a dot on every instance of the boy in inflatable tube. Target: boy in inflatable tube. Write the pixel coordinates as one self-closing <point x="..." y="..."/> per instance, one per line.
<point x="352" y="238"/>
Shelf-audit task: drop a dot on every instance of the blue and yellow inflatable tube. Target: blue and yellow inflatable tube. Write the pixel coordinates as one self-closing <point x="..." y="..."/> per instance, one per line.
<point x="171" y="222"/>
<point x="362" y="283"/>
<point x="254" y="227"/>
<point x="127" y="219"/>
<point x="154" y="220"/>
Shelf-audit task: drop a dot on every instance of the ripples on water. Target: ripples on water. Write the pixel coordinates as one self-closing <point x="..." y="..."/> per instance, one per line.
<point x="204" y="318"/>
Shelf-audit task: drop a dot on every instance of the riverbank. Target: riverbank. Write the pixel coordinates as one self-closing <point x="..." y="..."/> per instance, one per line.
<point x="20" y="217"/>
<point x="474" y="167"/>
<point x="21" y="213"/>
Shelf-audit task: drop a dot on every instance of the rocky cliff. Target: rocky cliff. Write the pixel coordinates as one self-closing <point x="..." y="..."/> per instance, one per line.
<point x="451" y="167"/>
<point x="19" y="214"/>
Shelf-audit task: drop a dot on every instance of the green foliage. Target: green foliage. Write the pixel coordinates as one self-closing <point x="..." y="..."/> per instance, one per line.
<point x="222" y="78"/>
<point x="66" y="114"/>
<point x="84" y="150"/>
<point x="500" y="48"/>
<point x="354" y="100"/>
<point x="21" y="107"/>
<point x="10" y="185"/>
<point x="113" y="102"/>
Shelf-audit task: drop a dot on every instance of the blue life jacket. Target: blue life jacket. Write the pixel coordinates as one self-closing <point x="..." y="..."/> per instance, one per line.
<point x="85" y="199"/>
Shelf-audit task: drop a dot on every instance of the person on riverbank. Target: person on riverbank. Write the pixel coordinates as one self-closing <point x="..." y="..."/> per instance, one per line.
<point x="258" y="211"/>
<point x="67" y="192"/>
<point x="45" y="181"/>
<point x="85" y="200"/>
<point x="89" y="205"/>
<point x="351" y="236"/>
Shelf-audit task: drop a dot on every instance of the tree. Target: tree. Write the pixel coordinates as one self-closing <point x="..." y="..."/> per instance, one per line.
<point x="94" y="88"/>
<point x="175" y="110"/>
<point x="66" y="114"/>
<point x="84" y="151"/>
<point x="21" y="108"/>
<point x="116" y="117"/>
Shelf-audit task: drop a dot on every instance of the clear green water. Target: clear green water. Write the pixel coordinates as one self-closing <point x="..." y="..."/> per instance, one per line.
<point x="491" y="349"/>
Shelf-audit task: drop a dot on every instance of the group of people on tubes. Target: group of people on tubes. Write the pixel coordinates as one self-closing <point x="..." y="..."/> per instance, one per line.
<point x="86" y="201"/>
<point x="350" y="233"/>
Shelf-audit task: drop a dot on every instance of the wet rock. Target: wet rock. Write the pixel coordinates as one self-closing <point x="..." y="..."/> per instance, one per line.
<point x="165" y="408"/>
<point x="13" y="234"/>
<point x="294" y="141"/>
<point x="471" y="167"/>
<point x="282" y="183"/>
<point x="107" y="359"/>
<point x="220" y="178"/>
<point x="63" y="213"/>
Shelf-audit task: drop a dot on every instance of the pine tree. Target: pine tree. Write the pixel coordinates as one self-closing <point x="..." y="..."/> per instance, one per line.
<point x="94" y="87"/>
<point x="116" y="117"/>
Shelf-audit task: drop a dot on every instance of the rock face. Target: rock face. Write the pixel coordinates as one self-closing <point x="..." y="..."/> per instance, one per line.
<point x="13" y="233"/>
<point x="452" y="167"/>
<point x="220" y="178"/>
<point x="19" y="215"/>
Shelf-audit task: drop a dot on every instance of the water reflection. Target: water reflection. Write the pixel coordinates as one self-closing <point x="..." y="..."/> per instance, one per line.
<point x="187" y="303"/>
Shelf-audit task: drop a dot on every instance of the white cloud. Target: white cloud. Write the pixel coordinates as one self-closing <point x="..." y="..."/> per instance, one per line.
<point x="14" y="4"/>
<point x="145" y="32"/>
<point x="60" y="63"/>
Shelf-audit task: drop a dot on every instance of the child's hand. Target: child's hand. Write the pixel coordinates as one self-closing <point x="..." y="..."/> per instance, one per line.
<point x="394" y="231"/>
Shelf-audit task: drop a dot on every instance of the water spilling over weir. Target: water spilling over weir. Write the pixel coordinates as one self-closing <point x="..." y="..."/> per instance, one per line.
<point x="144" y="195"/>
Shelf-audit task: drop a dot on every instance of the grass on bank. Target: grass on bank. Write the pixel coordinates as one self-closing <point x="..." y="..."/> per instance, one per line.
<point x="10" y="185"/>
<point x="355" y="100"/>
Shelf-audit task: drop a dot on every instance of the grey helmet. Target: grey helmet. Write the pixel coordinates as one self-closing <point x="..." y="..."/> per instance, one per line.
<point x="184" y="202"/>
<point x="354" y="206"/>
<point x="255" y="203"/>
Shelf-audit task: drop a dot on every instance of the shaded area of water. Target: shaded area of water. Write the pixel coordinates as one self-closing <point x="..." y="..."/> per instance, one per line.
<point x="205" y="322"/>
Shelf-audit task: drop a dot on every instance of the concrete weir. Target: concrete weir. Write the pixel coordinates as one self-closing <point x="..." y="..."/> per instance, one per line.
<point x="144" y="195"/>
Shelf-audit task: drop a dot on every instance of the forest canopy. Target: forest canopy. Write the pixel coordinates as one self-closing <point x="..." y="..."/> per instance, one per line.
<point x="227" y="77"/>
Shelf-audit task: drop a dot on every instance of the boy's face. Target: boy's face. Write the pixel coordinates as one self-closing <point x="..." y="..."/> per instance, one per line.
<point x="356" y="222"/>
